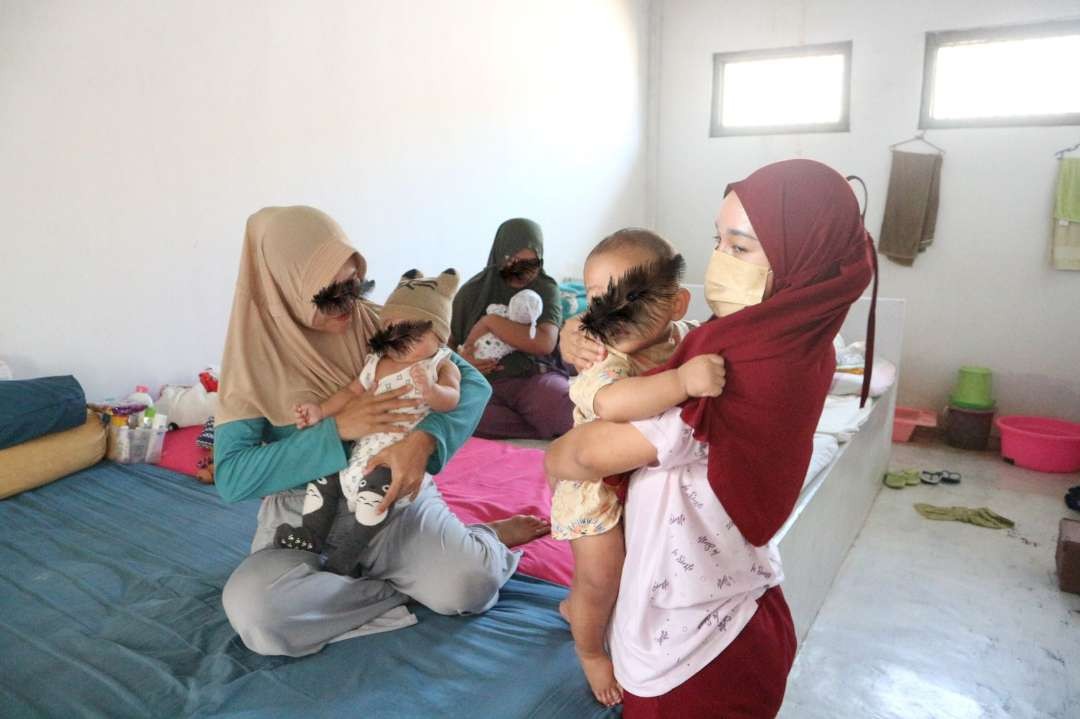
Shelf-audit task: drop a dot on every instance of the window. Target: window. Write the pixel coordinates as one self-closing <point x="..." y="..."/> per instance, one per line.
<point x="787" y="90"/>
<point x="1021" y="75"/>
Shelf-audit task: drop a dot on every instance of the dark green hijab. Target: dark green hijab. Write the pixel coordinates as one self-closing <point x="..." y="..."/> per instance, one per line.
<point x="488" y="287"/>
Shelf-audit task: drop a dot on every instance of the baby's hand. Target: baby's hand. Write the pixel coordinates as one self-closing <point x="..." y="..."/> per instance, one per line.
<point x="421" y="381"/>
<point x="703" y="376"/>
<point x="307" y="414"/>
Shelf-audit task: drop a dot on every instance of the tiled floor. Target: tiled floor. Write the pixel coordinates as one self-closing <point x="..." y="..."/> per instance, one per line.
<point x="945" y="620"/>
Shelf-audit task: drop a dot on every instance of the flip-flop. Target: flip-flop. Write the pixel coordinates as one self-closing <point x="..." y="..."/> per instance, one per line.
<point x="929" y="477"/>
<point x="938" y="476"/>
<point x="950" y="477"/>
<point x="901" y="478"/>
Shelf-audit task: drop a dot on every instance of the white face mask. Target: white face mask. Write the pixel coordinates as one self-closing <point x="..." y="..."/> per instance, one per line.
<point x="731" y="283"/>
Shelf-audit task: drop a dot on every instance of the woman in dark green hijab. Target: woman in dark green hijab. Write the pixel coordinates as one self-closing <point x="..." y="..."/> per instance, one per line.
<point x="530" y="388"/>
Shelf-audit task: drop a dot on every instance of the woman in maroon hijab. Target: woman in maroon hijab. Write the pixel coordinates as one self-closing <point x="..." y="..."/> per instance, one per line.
<point x="701" y="628"/>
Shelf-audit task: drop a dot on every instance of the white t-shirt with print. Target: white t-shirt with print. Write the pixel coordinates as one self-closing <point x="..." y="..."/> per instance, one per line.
<point x="691" y="581"/>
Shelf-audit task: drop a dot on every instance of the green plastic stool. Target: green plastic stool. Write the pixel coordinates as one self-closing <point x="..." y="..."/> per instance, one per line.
<point x="973" y="389"/>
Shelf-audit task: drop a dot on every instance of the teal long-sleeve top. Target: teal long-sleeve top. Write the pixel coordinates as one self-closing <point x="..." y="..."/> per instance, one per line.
<point x="253" y="458"/>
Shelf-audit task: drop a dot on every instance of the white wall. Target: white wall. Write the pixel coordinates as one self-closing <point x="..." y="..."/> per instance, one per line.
<point x="984" y="293"/>
<point x="136" y="138"/>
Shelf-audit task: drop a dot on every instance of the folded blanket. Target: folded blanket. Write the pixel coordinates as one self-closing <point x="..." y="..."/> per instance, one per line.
<point x="842" y="417"/>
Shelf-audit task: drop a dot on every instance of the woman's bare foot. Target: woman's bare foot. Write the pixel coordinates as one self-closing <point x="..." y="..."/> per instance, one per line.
<point x="520" y="528"/>
<point x="601" y="676"/>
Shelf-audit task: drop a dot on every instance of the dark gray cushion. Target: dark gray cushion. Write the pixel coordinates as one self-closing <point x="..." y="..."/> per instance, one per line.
<point x="31" y="408"/>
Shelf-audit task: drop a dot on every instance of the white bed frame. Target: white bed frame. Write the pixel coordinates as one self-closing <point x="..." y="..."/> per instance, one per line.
<point x="833" y="506"/>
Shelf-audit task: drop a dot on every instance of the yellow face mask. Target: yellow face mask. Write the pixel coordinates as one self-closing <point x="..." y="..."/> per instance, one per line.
<point x="731" y="283"/>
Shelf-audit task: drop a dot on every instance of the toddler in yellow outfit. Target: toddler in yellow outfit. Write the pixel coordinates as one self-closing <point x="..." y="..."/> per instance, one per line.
<point x="636" y="309"/>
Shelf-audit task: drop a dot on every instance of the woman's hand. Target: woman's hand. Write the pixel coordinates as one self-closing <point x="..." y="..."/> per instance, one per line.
<point x="479" y="330"/>
<point x="406" y="461"/>
<point x="577" y="348"/>
<point x="370" y="413"/>
<point x="485" y="367"/>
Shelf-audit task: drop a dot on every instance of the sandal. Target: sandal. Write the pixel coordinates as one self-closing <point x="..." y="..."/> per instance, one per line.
<point x="937" y="477"/>
<point x="899" y="479"/>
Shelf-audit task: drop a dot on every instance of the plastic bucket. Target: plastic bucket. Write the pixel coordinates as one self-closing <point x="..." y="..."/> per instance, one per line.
<point x="973" y="389"/>
<point x="1044" y="444"/>
<point x="968" y="428"/>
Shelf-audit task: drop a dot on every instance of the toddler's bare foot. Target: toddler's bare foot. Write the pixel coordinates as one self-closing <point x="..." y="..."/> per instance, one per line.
<point x="601" y="676"/>
<point x="564" y="609"/>
<point x="520" y="528"/>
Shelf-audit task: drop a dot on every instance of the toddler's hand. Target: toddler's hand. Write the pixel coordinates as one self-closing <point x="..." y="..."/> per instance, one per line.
<point x="421" y="381"/>
<point x="307" y="414"/>
<point x="703" y="376"/>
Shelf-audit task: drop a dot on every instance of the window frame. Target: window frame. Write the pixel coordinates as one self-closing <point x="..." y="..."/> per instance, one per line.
<point x="937" y="40"/>
<point x="720" y="59"/>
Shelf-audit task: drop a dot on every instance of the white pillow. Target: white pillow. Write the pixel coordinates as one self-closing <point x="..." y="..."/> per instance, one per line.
<point x="882" y="378"/>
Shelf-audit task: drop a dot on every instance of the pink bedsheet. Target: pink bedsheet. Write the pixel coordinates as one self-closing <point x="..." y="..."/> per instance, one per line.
<point x="491" y="480"/>
<point x="484" y="481"/>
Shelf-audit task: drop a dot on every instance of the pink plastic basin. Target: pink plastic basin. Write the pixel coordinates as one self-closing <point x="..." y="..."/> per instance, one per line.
<point x="1041" y="443"/>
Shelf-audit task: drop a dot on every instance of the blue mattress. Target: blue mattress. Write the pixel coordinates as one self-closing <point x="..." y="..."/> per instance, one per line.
<point x="110" y="605"/>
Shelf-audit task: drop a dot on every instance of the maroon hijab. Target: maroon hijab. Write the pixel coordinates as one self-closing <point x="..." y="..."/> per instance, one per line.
<point x="779" y="354"/>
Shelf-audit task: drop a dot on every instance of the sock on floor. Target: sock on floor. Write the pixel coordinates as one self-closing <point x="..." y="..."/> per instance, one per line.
<point x="980" y="516"/>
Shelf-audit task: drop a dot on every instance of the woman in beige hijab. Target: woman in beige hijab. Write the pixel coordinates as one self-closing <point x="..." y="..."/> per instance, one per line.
<point x="282" y="349"/>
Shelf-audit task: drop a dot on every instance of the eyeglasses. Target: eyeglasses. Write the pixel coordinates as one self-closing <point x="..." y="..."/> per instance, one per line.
<point x="520" y="269"/>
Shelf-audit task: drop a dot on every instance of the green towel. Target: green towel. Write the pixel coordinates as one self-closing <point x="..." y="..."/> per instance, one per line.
<point x="1067" y="202"/>
<point x="980" y="516"/>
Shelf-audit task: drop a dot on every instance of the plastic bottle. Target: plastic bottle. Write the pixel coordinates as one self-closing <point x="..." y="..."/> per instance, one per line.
<point x="141" y="395"/>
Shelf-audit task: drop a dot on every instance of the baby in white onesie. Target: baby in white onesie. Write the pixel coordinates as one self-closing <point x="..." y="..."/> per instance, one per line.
<point x="409" y="350"/>
<point x="525" y="308"/>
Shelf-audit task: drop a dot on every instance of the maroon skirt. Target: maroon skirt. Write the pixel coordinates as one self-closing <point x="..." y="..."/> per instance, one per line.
<point x="746" y="681"/>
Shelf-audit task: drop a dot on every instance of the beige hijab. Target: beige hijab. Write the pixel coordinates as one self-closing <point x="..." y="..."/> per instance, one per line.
<point x="273" y="358"/>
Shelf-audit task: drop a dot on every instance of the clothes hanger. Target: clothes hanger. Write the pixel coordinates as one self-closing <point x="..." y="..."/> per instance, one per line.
<point x="1065" y="150"/>
<point x="920" y="136"/>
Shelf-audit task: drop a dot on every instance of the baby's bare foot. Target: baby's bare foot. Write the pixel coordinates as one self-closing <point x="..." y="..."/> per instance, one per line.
<point x="600" y="674"/>
<point x="520" y="528"/>
<point x="564" y="610"/>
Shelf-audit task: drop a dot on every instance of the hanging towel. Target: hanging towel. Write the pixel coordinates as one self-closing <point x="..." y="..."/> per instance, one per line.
<point x="1065" y="246"/>
<point x="911" y="205"/>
